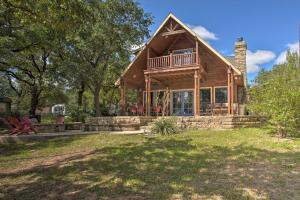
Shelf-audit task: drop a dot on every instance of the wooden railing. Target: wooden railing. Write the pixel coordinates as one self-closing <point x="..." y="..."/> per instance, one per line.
<point x="177" y="60"/>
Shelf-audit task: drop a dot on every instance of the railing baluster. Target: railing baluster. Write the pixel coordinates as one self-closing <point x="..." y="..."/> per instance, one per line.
<point x="171" y="60"/>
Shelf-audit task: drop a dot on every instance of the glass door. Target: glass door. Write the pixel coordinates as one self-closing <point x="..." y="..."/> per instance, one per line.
<point x="205" y="100"/>
<point x="183" y="103"/>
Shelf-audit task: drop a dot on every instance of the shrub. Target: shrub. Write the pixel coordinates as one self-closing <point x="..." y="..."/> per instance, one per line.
<point x="165" y="126"/>
<point x="276" y="95"/>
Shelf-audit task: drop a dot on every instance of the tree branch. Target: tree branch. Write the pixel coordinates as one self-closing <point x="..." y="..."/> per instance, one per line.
<point x="12" y="74"/>
<point x="34" y="63"/>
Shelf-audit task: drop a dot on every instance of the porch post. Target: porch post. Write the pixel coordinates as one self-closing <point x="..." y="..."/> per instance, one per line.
<point x="232" y="93"/>
<point x="229" y="91"/>
<point x="139" y="97"/>
<point x="123" y="97"/>
<point x="197" y="52"/>
<point x="148" y="95"/>
<point x="196" y="93"/>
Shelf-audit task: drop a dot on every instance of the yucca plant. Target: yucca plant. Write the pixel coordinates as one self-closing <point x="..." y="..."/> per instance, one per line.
<point x="165" y="126"/>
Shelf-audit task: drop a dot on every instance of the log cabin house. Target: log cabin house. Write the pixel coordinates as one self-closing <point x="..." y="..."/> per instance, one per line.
<point x="178" y="73"/>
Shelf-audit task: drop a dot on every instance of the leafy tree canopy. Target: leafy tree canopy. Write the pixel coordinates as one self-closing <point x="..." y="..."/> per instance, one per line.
<point x="276" y="94"/>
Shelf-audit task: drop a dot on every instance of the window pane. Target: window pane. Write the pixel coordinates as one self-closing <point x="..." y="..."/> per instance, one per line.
<point x="221" y="95"/>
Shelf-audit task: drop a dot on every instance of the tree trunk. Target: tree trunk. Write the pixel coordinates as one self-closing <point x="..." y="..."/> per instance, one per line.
<point x="97" y="101"/>
<point x="18" y="103"/>
<point x="80" y="99"/>
<point x="34" y="101"/>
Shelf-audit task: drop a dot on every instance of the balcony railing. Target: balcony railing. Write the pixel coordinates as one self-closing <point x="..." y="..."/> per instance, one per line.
<point x="176" y="60"/>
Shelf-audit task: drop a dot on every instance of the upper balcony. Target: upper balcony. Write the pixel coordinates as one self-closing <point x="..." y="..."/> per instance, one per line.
<point x="172" y="60"/>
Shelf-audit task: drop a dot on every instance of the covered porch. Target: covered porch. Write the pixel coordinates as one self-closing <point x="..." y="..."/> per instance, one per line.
<point x="184" y="92"/>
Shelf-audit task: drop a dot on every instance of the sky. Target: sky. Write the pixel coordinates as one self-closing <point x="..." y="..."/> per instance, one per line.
<point x="269" y="27"/>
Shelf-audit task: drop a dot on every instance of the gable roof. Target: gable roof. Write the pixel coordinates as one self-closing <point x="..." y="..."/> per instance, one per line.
<point x="188" y="29"/>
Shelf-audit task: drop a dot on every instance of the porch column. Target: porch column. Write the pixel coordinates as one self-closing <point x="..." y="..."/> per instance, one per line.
<point x="123" y="97"/>
<point x="139" y="96"/>
<point x="232" y="93"/>
<point x="229" y="91"/>
<point x="148" y="95"/>
<point x="196" y="93"/>
<point x="197" y="52"/>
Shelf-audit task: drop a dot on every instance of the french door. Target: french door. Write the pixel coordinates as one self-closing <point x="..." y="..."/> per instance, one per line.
<point x="183" y="103"/>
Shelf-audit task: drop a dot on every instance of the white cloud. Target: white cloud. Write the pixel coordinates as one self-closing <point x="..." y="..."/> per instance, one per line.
<point x="294" y="47"/>
<point x="203" y="32"/>
<point x="257" y="58"/>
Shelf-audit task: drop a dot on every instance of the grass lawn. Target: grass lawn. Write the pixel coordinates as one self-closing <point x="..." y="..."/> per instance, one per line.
<point x="239" y="164"/>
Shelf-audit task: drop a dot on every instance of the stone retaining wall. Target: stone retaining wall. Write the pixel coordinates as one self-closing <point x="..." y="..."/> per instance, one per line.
<point x="222" y="122"/>
<point x="117" y="123"/>
<point x="130" y="123"/>
<point x="54" y="128"/>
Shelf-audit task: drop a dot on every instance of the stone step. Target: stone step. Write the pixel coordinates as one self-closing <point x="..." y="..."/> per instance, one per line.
<point x="145" y="127"/>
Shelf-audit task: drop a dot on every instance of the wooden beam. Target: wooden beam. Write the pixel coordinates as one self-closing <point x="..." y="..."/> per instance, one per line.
<point x="148" y="95"/>
<point x="173" y="32"/>
<point x="228" y="91"/>
<point x="157" y="81"/>
<point x="148" y="56"/>
<point x="197" y="52"/>
<point x="174" y="28"/>
<point x="196" y="93"/>
<point x="232" y="93"/>
<point x="169" y="70"/>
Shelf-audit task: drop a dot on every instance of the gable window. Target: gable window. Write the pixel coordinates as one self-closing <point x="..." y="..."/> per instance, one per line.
<point x="182" y="57"/>
<point x="183" y="51"/>
<point x="221" y="95"/>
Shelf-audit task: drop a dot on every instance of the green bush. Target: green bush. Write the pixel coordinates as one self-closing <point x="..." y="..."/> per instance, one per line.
<point x="276" y="95"/>
<point x="165" y="126"/>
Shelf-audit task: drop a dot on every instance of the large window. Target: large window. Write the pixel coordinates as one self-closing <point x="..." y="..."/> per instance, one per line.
<point x="183" y="51"/>
<point x="221" y="95"/>
<point x="183" y="102"/>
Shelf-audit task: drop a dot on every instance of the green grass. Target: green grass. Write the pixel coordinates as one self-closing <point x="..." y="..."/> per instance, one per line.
<point x="239" y="164"/>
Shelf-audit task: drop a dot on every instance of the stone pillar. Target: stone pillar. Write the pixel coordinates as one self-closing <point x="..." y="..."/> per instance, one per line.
<point x="240" y="60"/>
<point x="240" y="57"/>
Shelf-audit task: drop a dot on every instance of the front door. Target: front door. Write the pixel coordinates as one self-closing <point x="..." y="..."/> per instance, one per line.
<point x="183" y="103"/>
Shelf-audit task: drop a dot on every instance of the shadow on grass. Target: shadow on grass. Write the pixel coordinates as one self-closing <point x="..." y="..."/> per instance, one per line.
<point x="161" y="168"/>
<point x="20" y="148"/>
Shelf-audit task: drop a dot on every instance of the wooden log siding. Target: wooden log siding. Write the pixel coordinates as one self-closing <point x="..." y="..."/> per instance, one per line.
<point x="176" y="60"/>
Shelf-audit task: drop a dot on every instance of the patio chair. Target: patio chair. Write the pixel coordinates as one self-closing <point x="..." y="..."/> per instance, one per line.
<point x="6" y="125"/>
<point x="133" y="110"/>
<point x="15" y="125"/>
<point x="27" y="125"/>
<point x="140" y="109"/>
<point x="60" y="119"/>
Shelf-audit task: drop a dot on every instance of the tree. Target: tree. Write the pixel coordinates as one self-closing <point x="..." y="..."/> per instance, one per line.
<point x="30" y="33"/>
<point x="276" y="94"/>
<point x="103" y="44"/>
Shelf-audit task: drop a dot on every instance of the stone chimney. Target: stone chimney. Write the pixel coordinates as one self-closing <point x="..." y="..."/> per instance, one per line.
<point x="240" y="57"/>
